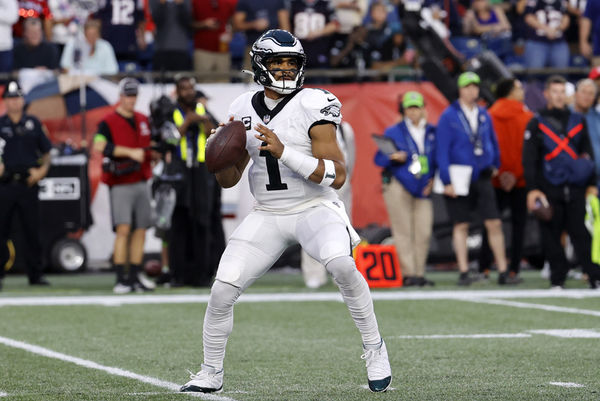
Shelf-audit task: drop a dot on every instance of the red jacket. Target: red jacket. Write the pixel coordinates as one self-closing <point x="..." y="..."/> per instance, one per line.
<point x="510" y="118"/>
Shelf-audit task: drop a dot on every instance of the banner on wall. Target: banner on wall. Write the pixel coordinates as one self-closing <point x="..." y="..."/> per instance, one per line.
<point x="368" y="107"/>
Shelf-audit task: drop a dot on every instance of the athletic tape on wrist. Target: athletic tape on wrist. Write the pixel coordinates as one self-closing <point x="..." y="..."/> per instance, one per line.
<point x="298" y="162"/>
<point x="329" y="174"/>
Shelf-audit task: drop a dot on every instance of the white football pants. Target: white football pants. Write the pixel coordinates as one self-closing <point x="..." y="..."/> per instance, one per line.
<point x="253" y="248"/>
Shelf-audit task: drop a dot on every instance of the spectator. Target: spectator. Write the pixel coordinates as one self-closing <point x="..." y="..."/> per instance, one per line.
<point x="391" y="10"/>
<point x="123" y="28"/>
<point x="197" y="239"/>
<point x="407" y="182"/>
<point x="8" y="16"/>
<point x="395" y="52"/>
<point x="313" y="22"/>
<point x="38" y="9"/>
<point x="355" y="53"/>
<point x="590" y="24"/>
<point x="171" y="41"/>
<point x="585" y="97"/>
<point x="546" y="45"/>
<point x="123" y="138"/>
<point x="516" y="17"/>
<point x="26" y="160"/>
<point x="378" y="29"/>
<point x="575" y="10"/>
<point x="509" y="118"/>
<point x="97" y="56"/>
<point x="490" y="24"/>
<point x="64" y="25"/>
<point x="466" y="137"/>
<point x="349" y="14"/>
<point x="256" y="17"/>
<point x="559" y="171"/>
<point x="34" y="51"/>
<point x="443" y="17"/>
<point x="212" y="34"/>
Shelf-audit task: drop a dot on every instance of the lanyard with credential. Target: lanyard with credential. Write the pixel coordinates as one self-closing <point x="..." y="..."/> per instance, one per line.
<point x="418" y="163"/>
<point x="474" y="136"/>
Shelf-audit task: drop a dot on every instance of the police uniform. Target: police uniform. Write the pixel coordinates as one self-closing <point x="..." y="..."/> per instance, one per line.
<point x="25" y="142"/>
<point x="196" y="238"/>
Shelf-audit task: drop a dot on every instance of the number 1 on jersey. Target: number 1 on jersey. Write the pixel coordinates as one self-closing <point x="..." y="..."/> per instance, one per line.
<point x="275" y="183"/>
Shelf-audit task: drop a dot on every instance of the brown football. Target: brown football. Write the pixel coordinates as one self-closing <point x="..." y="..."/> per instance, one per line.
<point x="227" y="147"/>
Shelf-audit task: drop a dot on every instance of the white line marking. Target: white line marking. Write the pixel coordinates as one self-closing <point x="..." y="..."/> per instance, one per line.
<point x="2" y="394"/>
<point x="155" y="393"/>
<point x="562" y="333"/>
<point x="446" y="336"/>
<point x="571" y="333"/>
<point x="108" y="369"/>
<point x="526" y="305"/>
<point x="566" y="384"/>
<point x="116" y="300"/>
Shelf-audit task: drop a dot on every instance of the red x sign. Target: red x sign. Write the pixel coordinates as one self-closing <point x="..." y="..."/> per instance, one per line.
<point x="562" y="144"/>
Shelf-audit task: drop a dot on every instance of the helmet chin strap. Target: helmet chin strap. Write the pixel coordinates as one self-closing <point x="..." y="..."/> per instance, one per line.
<point x="282" y="89"/>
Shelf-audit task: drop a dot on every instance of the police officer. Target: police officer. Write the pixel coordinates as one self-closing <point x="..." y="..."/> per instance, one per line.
<point x="26" y="159"/>
<point x="197" y="238"/>
<point x="559" y="171"/>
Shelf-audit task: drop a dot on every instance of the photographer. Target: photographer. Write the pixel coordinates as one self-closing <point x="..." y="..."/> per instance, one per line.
<point x="124" y="140"/>
<point x="197" y="238"/>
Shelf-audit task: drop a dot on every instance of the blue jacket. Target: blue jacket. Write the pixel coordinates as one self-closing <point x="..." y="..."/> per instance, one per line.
<point x="404" y="141"/>
<point x="561" y="166"/>
<point x="454" y="144"/>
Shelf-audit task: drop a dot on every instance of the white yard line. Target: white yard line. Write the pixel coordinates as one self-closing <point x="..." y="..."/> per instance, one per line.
<point x="2" y="394"/>
<point x="470" y="336"/>
<point x="569" y="333"/>
<point x="116" y="300"/>
<point x="527" y="305"/>
<point x="108" y="369"/>
<point x="566" y="384"/>
<point x="561" y="333"/>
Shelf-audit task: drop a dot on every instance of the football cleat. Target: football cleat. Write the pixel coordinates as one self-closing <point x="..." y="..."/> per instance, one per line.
<point x="379" y="372"/>
<point x="208" y="380"/>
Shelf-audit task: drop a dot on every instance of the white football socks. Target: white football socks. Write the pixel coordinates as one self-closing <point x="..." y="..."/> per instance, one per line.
<point x="357" y="297"/>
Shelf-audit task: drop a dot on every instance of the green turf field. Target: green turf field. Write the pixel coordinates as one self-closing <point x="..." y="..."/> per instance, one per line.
<point x="481" y="343"/>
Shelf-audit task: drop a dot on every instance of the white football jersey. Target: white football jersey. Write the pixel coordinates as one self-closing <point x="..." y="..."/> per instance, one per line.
<point x="274" y="186"/>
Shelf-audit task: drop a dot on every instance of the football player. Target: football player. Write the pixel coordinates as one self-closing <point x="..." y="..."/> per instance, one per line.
<point x="296" y="165"/>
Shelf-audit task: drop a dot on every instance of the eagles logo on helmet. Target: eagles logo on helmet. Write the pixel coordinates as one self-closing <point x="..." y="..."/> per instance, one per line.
<point x="277" y="43"/>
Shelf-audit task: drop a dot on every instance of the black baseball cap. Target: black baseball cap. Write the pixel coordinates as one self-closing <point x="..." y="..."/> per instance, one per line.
<point x="12" y="90"/>
<point x="128" y="87"/>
